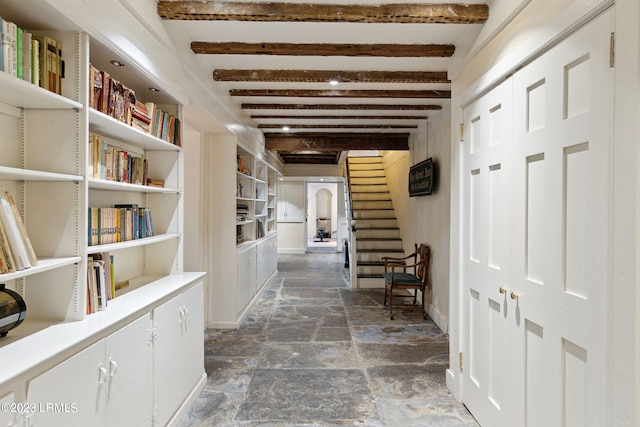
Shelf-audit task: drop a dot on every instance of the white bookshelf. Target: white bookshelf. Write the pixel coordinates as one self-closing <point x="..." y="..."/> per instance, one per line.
<point x="44" y="163"/>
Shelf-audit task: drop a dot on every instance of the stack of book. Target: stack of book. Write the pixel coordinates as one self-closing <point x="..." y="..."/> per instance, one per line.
<point x="100" y="281"/>
<point x="109" y="96"/>
<point x="119" y="224"/>
<point x="164" y="125"/>
<point x="140" y="118"/>
<point x="242" y="213"/>
<point x="115" y="164"/>
<point x="34" y="58"/>
<point x="16" y="251"/>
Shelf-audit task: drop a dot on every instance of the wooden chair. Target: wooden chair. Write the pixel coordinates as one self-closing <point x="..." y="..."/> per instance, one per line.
<point x="396" y="279"/>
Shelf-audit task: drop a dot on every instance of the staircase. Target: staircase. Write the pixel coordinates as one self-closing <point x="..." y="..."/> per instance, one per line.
<point x="377" y="232"/>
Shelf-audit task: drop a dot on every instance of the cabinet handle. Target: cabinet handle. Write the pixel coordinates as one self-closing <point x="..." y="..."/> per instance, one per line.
<point x="113" y="368"/>
<point x="102" y="374"/>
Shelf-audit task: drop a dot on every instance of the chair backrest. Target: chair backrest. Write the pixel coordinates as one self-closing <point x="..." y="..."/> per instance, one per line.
<point x="424" y="252"/>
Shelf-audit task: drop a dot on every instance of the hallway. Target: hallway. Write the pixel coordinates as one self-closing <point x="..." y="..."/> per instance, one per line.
<point x="314" y="353"/>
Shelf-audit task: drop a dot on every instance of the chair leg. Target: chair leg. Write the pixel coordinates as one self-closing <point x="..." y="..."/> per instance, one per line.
<point x="386" y="287"/>
<point x="424" y="311"/>
<point x="391" y="302"/>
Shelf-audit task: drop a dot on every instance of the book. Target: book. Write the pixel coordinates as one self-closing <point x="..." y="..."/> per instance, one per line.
<point x="6" y="47"/>
<point x="27" y="57"/>
<point x="18" y="52"/>
<point x="23" y="230"/>
<point x="14" y="236"/>
<point x="35" y="61"/>
<point x="98" y="266"/>
<point x="13" y="49"/>
<point x="8" y="265"/>
<point x="103" y="103"/>
<point x="92" y="285"/>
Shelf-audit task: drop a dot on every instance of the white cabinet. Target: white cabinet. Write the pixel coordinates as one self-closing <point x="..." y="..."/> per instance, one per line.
<point x="107" y="384"/>
<point x="129" y="388"/>
<point x="178" y="351"/>
<point x="247" y="276"/>
<point x="267" y="259"/>
<point x="8" y="418"/>
<point x="290" y="203"/>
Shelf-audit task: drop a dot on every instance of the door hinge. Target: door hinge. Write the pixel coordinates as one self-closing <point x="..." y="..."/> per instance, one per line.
<point x="461" y="132"/>
<point x="461" y="359"/>
<point x="612" y="50"/>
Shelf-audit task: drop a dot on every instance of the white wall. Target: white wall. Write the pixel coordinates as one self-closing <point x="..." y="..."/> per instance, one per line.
<point x="425" y="219"/>
<point x="312" y="209"/>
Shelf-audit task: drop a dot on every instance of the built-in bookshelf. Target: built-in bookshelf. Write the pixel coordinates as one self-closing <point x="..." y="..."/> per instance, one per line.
<point x="255" y="197"/>
<point x="48" y="163"/>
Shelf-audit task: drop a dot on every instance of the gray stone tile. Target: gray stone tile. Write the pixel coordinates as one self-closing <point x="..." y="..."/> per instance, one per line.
<point x="307" y="282"/>
<point x="380" y="316"/>
<point x="319" y="394"/>
<point x="228" y="375"/>
<point x="384" y="354"/>
<point x="308" y="355"/>
<point x="432" y="412"/>
<point x="362" y="297"/>
<point x="310" y="293"/>
<point x="326" y="315"/>
<point x="235" y="343"/>
<point x="398" y="333"/>
<point x="408" y="381"/>
<point x="210" y="408"/>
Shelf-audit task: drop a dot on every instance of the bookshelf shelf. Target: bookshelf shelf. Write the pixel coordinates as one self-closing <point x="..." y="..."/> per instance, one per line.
<point x="131" y="243"/>
<point x="250" y="221"/>
<point x="21" y="94"/>
<point x="104" y="125"/>
<point x="17" y="174"/>
<point x="44" y="264"/>
<point x="101" y="184"/>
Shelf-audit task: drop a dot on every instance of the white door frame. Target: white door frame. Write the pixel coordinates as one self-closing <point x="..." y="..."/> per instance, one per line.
<point x="623" y="365"/>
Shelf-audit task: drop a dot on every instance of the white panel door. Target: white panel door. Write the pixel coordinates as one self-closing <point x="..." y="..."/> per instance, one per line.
<point x="487" y="149"/>
<point x="548" y="332"/>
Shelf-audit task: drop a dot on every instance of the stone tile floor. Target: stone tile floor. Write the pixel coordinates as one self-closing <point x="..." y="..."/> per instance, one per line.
<point x="315" y="353"/>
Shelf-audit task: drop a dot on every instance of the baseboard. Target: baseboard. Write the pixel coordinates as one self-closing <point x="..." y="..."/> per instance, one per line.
<point x="291" y="251"/>
<point x="186" y="404"/>
<point x="438" y="319"/>
<point x="223" y="325"/>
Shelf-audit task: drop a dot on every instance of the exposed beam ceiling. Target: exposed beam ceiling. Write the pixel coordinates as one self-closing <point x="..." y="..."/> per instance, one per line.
<point x="348" y="107"/>
<point x="323" y="76"/>
<point x="328" y="76"/>
<point x="336" y="141"/>
<point x="323" y="49"/>
<point x="335" y="126"/>
<point x="292" y="117"/>
<point x="309" y="93"/>
<point x="308" y="12"/>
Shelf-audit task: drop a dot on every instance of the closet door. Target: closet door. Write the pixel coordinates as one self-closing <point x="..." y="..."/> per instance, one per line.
<point x="487" y="152"/>
<point x="563" y="134"/>
<point x="537" y="225"/>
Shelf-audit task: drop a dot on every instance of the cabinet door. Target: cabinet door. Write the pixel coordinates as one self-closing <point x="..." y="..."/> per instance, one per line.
<point x="129" y="359"/>
<point x="247" y="276"/>
<point x="178" y="352"/>
<point x="262" y="262"/>
<point x="72" y="393"/>
<point x="7" y="418"/>
<point x="291" y="203"/>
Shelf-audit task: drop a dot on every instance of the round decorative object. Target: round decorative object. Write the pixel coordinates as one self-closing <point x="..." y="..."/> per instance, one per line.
<point x="12" y="310"/>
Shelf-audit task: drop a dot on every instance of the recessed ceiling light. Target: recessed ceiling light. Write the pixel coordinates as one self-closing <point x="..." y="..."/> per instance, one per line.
<point x="333" y="82"/>
<point x="154" y="89"/>
<point x="117" y="63"/>
<point x="285" y="128"/>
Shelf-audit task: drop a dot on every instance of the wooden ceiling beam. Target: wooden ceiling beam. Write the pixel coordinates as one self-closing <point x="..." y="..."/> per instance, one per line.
<point x="406" y="13"/>
<point x="322" y="49"/>
<point x="308" y="93"/>
<point x="336" y="141"/>
<point x="307" y="117"/>
<point x="279" y="126"/>
<point x="310" y="159"/>
<point x="324" y="76"/>
<point x="347" y="107"/>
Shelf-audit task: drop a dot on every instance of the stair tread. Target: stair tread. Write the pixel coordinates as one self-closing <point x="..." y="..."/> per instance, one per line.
<point x="370" y="276"/>
<point x="377" y="239"/>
